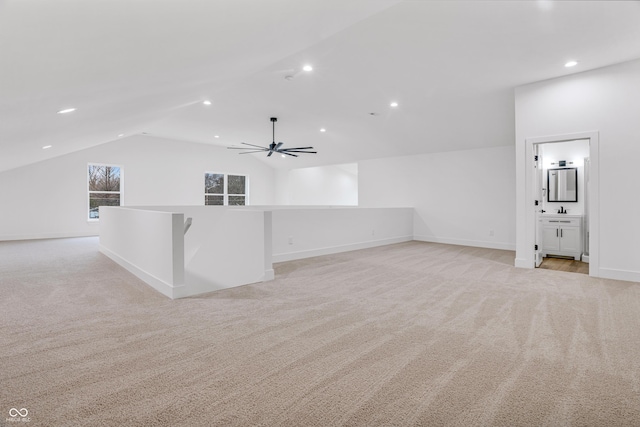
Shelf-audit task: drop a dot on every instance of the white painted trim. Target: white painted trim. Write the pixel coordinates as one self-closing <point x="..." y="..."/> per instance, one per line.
<point x="612" y="273"/>
<point x="159" y="285"/>
<point x="594" y="197"/>
<point x="290" y="256"/>
<point x="38" y="236"/>
<point x="269" y="275"/>
<point x="466" y="242"/>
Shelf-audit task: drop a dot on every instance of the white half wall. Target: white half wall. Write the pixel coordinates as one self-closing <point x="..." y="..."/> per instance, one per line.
<point x="223" y="247"/>
<point x="460" y="197"/>
<point x="150" y="244"/>
<point x="49" y="199"/>
<point x="308" y="232"/>
<point x="335" y="185"/>
<point x="189" y="250"/>
<point x="605" y="102"/>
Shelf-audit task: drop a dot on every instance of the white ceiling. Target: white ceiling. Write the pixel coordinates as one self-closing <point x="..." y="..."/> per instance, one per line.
<point x="133" y="66"/>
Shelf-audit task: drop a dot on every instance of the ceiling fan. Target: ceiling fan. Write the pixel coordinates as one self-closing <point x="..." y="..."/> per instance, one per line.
<point x="273" y="147"/>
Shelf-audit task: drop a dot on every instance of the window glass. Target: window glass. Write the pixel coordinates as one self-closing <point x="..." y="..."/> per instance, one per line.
<point x="213" y="200"/>
<point x="224" y="189"/>
<point x="104" y="182"/>
<point x="236" y="184"/>
<point x="214" y="183"/>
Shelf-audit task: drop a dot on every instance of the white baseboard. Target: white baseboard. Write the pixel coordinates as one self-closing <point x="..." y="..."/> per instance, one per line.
<point x="290" y="256"/>
<point x="38" y="236"/>
<point x="612" y="273"/>
<point x="159" y="285"/>
<point x="464" y="242"/>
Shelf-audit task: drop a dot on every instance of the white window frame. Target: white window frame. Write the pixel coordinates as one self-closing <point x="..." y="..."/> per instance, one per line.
<point x="89" y="192"/>
<point x="225" y="195"/>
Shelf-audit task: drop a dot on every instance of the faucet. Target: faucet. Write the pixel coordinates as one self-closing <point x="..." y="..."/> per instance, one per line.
<point x="562" y="210"/>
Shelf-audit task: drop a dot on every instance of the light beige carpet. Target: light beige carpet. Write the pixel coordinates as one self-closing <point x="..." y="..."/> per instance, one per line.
<point x="402" y="335"/>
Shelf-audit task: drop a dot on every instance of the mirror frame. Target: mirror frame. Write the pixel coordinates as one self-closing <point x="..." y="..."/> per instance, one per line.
<point x="575" y="170"/>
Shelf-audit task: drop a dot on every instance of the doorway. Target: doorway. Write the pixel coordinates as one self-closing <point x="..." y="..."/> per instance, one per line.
<point x="561" y="184"/>
<point x="534" y="193"/>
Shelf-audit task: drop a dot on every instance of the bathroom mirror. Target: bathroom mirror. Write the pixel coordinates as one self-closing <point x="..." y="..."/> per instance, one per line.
<point x="562" y="185"/>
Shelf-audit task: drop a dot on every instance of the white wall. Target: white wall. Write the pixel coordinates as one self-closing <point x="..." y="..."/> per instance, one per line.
<point x="334" y="185"/>
<point x="49" y="198"/>
<point x="460" y="197"/>
<point x="605" y="101"/>
<point x="307" y="232"/>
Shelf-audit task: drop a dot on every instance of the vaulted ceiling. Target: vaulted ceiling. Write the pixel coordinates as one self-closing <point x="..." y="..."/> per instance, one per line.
<point x="134" y="66"/>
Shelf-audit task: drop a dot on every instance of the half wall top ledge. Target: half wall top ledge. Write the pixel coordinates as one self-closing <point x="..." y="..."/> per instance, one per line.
<point x="225" y="247"/>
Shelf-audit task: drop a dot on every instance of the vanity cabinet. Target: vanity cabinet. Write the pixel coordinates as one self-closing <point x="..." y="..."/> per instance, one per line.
<point x="562" y="235"/>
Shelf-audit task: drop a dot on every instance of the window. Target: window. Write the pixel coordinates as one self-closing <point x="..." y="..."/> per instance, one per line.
<point x="105" y="184"/>
<point x="223" y="189"/>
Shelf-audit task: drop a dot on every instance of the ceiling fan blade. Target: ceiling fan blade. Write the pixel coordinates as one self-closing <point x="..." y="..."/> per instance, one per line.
<point x="245" y="148"/>
<point x="297" y="148"/>
<point x="258" y="146"/>
<point x="288" y="154"/>
<point x="252" y="151"/>
<point x="278" y="146"/>
<point x="270" y="153"/>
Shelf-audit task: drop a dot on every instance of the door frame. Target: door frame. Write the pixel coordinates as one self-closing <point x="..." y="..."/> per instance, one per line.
<point x="594" y="198"/>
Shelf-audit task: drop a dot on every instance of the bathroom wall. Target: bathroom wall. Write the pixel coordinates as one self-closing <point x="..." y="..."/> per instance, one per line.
<point x="574" y="153"/>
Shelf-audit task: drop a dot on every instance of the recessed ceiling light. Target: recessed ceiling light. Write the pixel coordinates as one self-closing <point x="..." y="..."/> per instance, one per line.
<point x="394" y="104"/>
<point x="46" y="147"/>
<point x="120" y="135"/>
<point x="216" y="136"/>
<point x="207" y="102"/>
<point x="67" y="110"/>
<point x="323" y="130"/>
<point x="307" y="68"/>
<point x="283" y="156"/>
<point x="571" y="64"/>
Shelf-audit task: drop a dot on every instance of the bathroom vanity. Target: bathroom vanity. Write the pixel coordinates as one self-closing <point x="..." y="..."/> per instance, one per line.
<point x="561" y="235"/>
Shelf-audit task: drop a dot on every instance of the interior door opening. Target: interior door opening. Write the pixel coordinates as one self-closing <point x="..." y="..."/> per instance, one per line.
<point x="561" y="190"/>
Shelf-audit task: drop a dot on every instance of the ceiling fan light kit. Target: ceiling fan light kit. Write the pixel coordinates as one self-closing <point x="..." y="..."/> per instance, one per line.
<point x="273" y="147"/>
